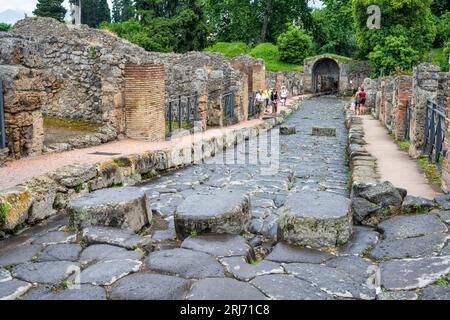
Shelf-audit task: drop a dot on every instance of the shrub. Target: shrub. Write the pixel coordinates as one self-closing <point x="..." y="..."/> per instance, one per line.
<point x="294" y="45"/>
<point x="229" y="49"/>
<point x="4" y="26"/>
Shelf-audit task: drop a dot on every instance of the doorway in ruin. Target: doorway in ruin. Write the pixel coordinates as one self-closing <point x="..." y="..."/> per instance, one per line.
<point x="326" y="74"/>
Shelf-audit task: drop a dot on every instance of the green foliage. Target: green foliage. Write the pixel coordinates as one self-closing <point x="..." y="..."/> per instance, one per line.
<point x="94" y="12"/>
<point x="269" y="52"/>
<point x="333" y="55"/>
<point x="79" y="188"/>
<point x="93" y="52"/>
<point x="4" y="209"/>
<point x="406" y="34"/>
<point x="50" y="8"/>
<point x="122" y="10"/>
<point x="438" y="7"/>
<point x="442" y="29"/>
<point x="431" y="170"/>
<point x="442" y="282"/>
<point x="404" y="145"/>
<point x="4" y="26"/>
<point x="294" y="45"/>
<point x="229" y="49"/>
<point x="440" y="57"/>
<point x="123" y="162"/>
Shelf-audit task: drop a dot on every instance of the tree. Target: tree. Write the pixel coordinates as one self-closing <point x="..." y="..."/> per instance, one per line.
<point x="443" y="29"/>
<point x="122" y="10"/>
<point x="439" y="7"/>
<point x="4" y="26"/>
<point x="294" y="45"/>
<point x="50" y="8"/>
<point x="94" y="12"/>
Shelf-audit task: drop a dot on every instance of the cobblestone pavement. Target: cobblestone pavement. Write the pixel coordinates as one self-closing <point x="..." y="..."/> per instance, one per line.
<point x="407" y="257"/>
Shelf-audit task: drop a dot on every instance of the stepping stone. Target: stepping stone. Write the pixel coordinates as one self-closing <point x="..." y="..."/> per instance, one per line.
<point x="105" y="252"/>
<point x="45" y="272"/>
<point x="82" y="292"/>
<point x="398" y="295"/>
<point x="218" y="245"/>
<point x="10" y="290"/>
<point x="417" y="247"/>
<point x="362" y="239"/>
<point x="56" y="237"/>
<point x="61" y="252"/>
<point x="286" y="253"/>
<point x="220" y="212"/>
<point x="287" y="287"/>
<point x="224" y="289"/>
<point x="5" y="275"/>
<point x="19" y="255"/>
<point x="335" y="282"/>
<point x="435" y="293"/>
<point x="288" y="130"/>
<point x="355" y="266"/>
<point x="185" y="263"/>
<point x="104" y="235"/>
<point x="125" y="208"/>
<point x="316" y="219"/>
<point x="145" y="286"/>
<point x="403" y="227"/>
<point x="324" y="132"/>
<point x="417" y="205"/>
<point x="244" y="271"/>
<point x="105" y="273"/>
<point x="410" y="274"/>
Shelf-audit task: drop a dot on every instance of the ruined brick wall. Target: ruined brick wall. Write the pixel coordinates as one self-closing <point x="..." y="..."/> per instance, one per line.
<point x="144" y="102"/>
<point x="402" y="94"/>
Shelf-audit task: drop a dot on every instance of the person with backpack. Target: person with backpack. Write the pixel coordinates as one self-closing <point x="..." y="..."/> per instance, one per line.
<point x="362" y="101"/>
<point x="274" y="98"/>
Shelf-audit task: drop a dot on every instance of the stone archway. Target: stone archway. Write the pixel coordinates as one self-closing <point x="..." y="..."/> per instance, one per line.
<point x="325" y="76"/>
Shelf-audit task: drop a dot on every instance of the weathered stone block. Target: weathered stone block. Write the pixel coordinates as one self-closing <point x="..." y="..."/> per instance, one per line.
<point x="288" y="130"/>
<point x="15" y="205"/>
<point x="43" y="190"/>
<point x="324" y="132"/>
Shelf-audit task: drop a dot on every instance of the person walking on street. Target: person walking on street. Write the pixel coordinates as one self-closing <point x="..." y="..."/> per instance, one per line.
<point x="284" y="96"/>
<point x="274" y="98"/>
<point x="362" y="101"/>
<point x="357" y="101"/>
<point x="267" y="94"/>
<point x="259" y="101"/>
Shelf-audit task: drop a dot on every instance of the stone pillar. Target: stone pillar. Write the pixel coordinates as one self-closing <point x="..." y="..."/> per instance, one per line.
<point x="259" y="77"/>
<point x="388" y="103"/>
<point x="425" y="85"/>
<point x="145" y="102"/>
<point x="446" y="163"/>
<point x="402" y="94"/>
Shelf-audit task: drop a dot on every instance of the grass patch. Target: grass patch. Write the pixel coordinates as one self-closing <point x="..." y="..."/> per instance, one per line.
<point x="229" y="50"/>
<point x="67" y="229"/>
<point x="123" y="162"/>
<point x="270" y="54"/>
<point x="431" y="170"/>
<point x="175" y="126"/>
<point x="71" y="124"/>
<point x="442" y="282"/>
<point x="79" y="188"/>
<point x="332" y="55"/>
<point x="4" y="209"/>
<point x="194" y="234"/>
<point x="150" y="175"/>
<point x="404" y="145"/>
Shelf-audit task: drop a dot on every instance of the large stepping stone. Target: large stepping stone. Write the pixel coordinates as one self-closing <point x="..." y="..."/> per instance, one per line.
<point x="403" y="227"/>
<point x="224" y="289"/>
<point x="55" y="237"/>
<point x="316" y="219"/>
<point x="324" y="132"/>
<point x="105" y="252"/>
<point x="288" y="130"/>
<point x="362" y="239"/>
<point x="220" y="212"/>
<point x="5" y="275"/>
<point x="185" y="263"/>
<point x="45" y="272"/>
<point x="19" y="255"/>
<point x="145" y="286"/>
<point x="218" y="245"/>
<point x="244" y="271"/>
<point x="435" y="293"/>
<point x="287" y="287"/>
<point x="118" y="237"/>
<point x="443" y="201"/>
<point x="125" y="208"/>
<point x="429" y="245"/>
<point x="410" y="274"/>
<point x="286" y="253"/>
<point x="10" y="290"/>
<point x="83" y="292"/>
<point x="61" y="252"/>
<point x="105" y="273"/>
<point x="335" y="282"/>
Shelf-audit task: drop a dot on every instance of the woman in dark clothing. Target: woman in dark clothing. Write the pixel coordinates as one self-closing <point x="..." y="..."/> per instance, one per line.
<point x="274" y="99"/>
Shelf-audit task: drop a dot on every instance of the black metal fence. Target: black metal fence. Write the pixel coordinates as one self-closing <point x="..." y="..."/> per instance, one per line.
<point x="228" y="104"/>
<point x="435" y="133"/>
<point x="408" y="120"/>
<point x="181" y="113"/>
<point x="2" y="119"/>
<point x="253" y="111"/>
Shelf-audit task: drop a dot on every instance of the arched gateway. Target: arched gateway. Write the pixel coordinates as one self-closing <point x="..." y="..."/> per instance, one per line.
<point x="325" y="76"/>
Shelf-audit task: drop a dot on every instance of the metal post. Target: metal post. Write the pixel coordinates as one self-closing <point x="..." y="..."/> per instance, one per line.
<point x="180" y="113"/>
<point x="427" y="127"/>
<point x="170" y="117"/>
<point x="2" y="119"/>
<point x="232" y="104"/>
<point x="195" y="107"/>
<point x="188" y="110"/>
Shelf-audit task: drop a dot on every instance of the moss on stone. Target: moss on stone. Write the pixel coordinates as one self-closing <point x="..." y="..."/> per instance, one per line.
<point x="123" y="162"/>
<point x="71" y="124"/>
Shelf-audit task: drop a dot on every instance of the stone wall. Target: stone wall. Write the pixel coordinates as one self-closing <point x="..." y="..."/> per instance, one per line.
<point x="446" y="160"/>
<point x="292" y="80"/>
<point x="402" y="94"/>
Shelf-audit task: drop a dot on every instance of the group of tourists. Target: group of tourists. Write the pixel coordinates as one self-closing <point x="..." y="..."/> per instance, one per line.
<point x="267" y="101"/>
<point x="360" y="101"/>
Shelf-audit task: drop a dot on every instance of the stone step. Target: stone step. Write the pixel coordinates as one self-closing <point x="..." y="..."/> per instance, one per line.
<point x="125" y="208"/>
<point x="222" y="212"/>
<point x="315" y="219"/>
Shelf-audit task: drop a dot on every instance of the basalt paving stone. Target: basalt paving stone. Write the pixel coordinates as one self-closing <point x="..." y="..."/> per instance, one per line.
<point x="362" y="239"/>
<point x="104" y="235"/>
<point x="445" y="216"/>
<point x="105" y="273"/>
<point x="219" y="245"/>
<point x="10" y="290"/>
<point x="45" y="272"/>
<point x="244" y="271"/>
<point x="403" y="227"/>
<point x="146" y="286"/>
<point x="333" y="281"/>
<point x="20" y="254"/>
<point x="287" y="253"/>
<point x="398" y="295"/>
<point x="446" y="251"/>
<point x="410" y="274"/>
<point x="435" y="293"/>
<point x="417" y="247"/>
<point x="79" y="293"/>
<point x="224" y="289"/>
<point x="5" y="275"/>
<point x="56" y="237"/>
<point x="286" y="287"/>
<point x="185" y="263"/>
<point x="355" y="266"/>
<point x="61" y="252"/>
<point x="105" y="252"/>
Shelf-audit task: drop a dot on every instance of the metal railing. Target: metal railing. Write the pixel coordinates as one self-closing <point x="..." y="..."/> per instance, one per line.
<point x="253" y="111"/>
<point x="228" y="104"/>
<point x="2" y="119"/>
<point x="407" y="120"/>
<point x="435" y="133"/>
<point x="181" y="113"/>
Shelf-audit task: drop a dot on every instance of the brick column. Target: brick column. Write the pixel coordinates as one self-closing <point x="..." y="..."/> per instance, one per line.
<point x="144" y="102"/>
<point x="446" y="163"/>
<point x="402" y="93"/>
